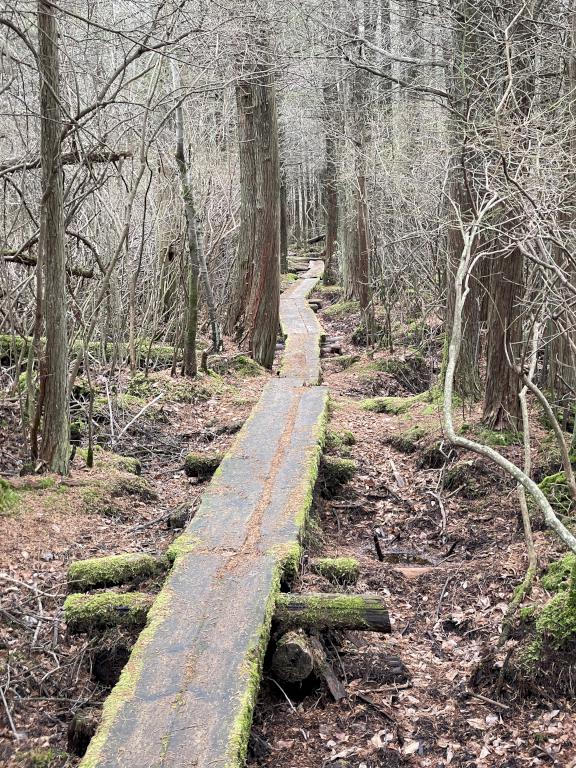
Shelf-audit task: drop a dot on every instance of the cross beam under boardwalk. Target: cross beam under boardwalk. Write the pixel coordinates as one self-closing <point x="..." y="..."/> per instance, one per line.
<point x="186" y="696"/>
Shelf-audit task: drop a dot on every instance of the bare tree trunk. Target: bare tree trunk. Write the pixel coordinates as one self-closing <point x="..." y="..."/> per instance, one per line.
<point x="283" y="227"/>
<point x="501" y="402"/>
<point x="263" y="309"/>
<point x="330" y="183"/>
<point x="55" y="447"/>
<point x="245" y="255"/>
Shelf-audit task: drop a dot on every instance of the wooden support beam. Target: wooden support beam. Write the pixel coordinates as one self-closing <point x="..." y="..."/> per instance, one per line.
<point x="321" y="611"/>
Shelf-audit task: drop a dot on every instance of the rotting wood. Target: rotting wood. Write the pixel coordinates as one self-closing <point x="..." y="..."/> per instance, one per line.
<point x="324" y="670"/>
<point x="293" y="659"/>
<point x="321" y="610"/>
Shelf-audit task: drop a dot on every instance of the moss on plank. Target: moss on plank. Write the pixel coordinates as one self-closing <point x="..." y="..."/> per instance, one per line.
<point x="338" y="570"/>
<point x="86" y="613"/>
<point x="240" y="733"/>
<point x="182" y="545"/>
<point x="96" y="572"/>
<point x="202" y="465"/>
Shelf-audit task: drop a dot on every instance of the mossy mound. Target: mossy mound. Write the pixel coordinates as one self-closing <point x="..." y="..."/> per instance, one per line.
<point x="407" y="441"/>
<point x="557" y="576"/>
<point x="112" y="460"/>
<point x="345" y="361"/>
<point x="342" y="308"/>
<point x="556" y="622"/>
<point x="339" y="442"/>
<point x="331" y="291"/>
<point x="86" y="613"/>
<point x="202" y="465"/>
<point x="8" y="497"/>
<point x="334" y="473"/>
<point x="392" y="405"/>
<point x="338" y="570"/>
<point x="497" y="439"/>
<point x="411" y="372"/>
<point x="113" y="570"/>
<point x="556" y="490"/>
<point x="125" y="484"/>
<point x="241" y="365"/>
<point x="99" y="497"/>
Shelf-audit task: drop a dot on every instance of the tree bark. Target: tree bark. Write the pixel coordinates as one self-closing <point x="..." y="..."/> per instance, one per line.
<point x="55" y="446"/>
<point x="263" y="308"/>
<point x="330" y="183"/>
<point x="501" y="403"/>
<point x="244" y="265"/>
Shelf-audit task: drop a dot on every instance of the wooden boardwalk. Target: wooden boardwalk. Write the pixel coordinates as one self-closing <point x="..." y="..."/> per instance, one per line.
<point x="186" y="696"/>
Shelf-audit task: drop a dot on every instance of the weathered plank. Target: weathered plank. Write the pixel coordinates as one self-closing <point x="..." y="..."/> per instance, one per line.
<point x="186" y="696"/>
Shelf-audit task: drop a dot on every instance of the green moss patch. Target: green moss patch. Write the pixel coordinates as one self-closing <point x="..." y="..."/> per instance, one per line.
<point x="202" y="465"/>
<point x="392" y="405"/>
<point x="8" y="498"/>
<point x="338" y="570"/>
<point x="241" y="365"/>
<point x="557" y="620"/>
<point x="110" y="571"/>
<point x="407" y="441"/>
<point x="556" y="490"/>
<point x="44" y="757"/>
<point x="86" y="613"/>
<point x="112" y="460"/>
<point x="339" y="442"/>
<point x="342" y="308"/>
<point x="557" y="576"/>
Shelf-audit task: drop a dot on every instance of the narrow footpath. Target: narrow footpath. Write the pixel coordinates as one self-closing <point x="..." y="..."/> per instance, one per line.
<point x="186" y="696"/>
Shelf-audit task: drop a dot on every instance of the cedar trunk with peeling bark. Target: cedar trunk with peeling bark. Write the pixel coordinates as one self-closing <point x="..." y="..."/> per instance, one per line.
<point x="501" y="402"/>
<point x="330" y="183"/>
<point x="55" y="447"/>
<point x="263" y="309"/>
<point x="246" y="239"/>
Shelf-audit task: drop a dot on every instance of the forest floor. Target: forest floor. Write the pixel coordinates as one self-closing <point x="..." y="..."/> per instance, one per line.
<point x="46" y="674"/>
<point x="429" y="694"/>
<point x="447" y="526"/>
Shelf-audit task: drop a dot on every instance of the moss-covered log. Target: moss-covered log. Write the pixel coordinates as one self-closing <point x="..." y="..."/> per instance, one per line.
<point x="338" y="570"/>
<point x="87" y="613"/>
<point x="202" y="465"/>
<point x="333" y="611"/>
<point x="129" y="568"/>
<point x="293" y="659"/>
